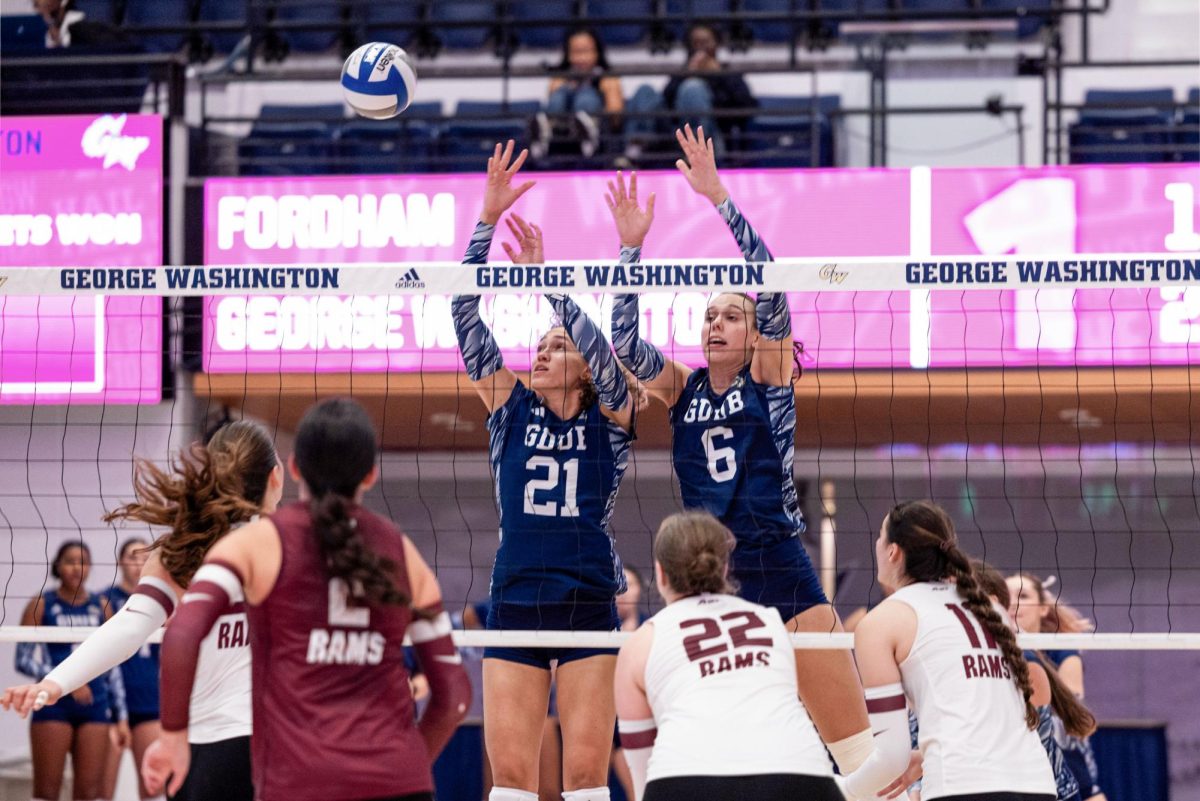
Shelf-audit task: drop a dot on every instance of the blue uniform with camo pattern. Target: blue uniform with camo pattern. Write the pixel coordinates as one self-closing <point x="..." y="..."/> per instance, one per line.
<point x="556" y="483"/>
<point x="733" y="451"/>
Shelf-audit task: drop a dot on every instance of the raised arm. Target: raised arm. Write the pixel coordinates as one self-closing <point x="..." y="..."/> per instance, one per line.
<point x="485" y="367"/>
<point x="661" y="378"/>
<point x="772" y="361"/>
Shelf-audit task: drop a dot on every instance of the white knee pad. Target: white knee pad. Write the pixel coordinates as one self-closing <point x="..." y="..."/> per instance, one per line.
<point x="509" y="794"/>
<point x="587" y="794"/>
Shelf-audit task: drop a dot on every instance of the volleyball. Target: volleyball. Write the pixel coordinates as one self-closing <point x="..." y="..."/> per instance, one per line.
<point x="379" y="80"/>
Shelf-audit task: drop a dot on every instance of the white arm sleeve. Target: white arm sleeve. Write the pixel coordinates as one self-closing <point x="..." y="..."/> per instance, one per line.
<point x="114" y="642"/>
<point x="893" y="744"/>
<point x="637" y="741"/>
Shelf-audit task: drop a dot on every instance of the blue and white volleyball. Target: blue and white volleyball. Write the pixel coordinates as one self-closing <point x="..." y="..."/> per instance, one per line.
<point x="379" y="80"/>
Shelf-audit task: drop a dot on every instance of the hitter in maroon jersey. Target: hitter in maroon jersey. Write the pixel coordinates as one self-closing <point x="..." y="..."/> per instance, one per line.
<point x="331" y="590"/>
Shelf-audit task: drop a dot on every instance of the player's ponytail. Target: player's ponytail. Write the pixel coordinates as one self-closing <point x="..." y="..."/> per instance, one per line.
<point x="204" y="493"/>
<point x="692" y="549"/>
<point x="926" y="534"/>
<point x="335" y="452"/>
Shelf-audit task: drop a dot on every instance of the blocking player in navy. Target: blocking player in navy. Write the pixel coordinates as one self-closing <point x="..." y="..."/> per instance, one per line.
<point x="139" y="673"/>
<point x="559" y="446"/>
<point x="734" y="424"/>
<point x="78" y="725"/>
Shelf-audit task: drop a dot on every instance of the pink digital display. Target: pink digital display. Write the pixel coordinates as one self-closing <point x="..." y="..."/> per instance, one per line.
<point x="83" y="190"/>
<point x="800" y="213"/>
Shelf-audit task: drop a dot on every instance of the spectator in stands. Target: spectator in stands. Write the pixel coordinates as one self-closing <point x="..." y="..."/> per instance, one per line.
<point x="707" y="87"/>
<point x="583" y="83"/>
<point x="66" y="26"/>
<point x="583" y="96"/>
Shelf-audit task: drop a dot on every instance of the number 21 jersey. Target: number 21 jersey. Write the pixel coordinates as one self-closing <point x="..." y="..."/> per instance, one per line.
<point x="733" y="455"/>
<point x="556" y="482"/>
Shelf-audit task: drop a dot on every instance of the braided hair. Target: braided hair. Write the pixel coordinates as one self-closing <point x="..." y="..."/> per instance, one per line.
<point x="925" y="533"/>
<point x="335" y="451"/>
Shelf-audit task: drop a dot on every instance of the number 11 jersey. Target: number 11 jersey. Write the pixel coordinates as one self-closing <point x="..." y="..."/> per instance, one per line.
<point x="556" y="482"/>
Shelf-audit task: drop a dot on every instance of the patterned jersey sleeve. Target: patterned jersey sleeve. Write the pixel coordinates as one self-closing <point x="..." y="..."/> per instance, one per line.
<point x="640" y="357"/>
<point x="589" y="339"/>
<point x="770" y="308"/>
<point x="480" y="353"/>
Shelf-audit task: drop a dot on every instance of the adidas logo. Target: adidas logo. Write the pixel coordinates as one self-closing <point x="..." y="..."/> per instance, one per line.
<point x="410" y="280"/>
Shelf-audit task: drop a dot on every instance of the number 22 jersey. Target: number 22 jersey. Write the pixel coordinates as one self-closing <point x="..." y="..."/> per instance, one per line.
<point x="556" y="482"/>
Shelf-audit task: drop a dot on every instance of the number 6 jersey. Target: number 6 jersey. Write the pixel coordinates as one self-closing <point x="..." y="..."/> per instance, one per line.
<point x="721" y="682"/>
<point x="733" y="456"/>
<point x="556" y="481"/>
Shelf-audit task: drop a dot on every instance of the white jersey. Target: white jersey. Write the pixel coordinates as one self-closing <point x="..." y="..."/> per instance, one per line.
<point x="970" y="713"/>
<point x="220" y="706"/>
<point x="721" y="682"/>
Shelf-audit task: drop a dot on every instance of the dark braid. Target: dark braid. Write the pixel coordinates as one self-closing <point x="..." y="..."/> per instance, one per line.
<point x="980" y="605"/>
<point x="926" y="534"/>
<point x="335" y="452"/>
<point x="368" y="575"/>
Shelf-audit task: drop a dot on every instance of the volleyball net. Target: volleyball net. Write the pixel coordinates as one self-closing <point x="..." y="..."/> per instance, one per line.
<point x="1050" y="403"/>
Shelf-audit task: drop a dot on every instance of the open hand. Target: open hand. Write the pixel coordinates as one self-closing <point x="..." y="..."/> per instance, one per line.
<point x="529" y="240"/>
<point x="23" y="698"/>
<point x="500" y="193"/>
<point x="699" y="164"/>
<point x="633" y="222"/>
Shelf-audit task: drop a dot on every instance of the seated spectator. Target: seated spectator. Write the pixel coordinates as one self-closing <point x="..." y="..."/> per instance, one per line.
<point x="583" y="83"/>
<point x="581" y="94"/>
<point x="66" y="26"/>
<point x="708" y="87"/>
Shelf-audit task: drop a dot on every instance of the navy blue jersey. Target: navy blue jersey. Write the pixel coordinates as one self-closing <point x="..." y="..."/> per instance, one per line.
<point x="88" y="612"/>
<point x="733" y="456"/>
<point x="140" y="671"/>
<point x="556" y="481"/>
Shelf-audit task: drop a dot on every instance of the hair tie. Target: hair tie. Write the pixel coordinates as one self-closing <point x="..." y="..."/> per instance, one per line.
<point x="946" y="546"/>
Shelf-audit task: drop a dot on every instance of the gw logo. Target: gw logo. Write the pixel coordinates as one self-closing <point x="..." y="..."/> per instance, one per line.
<point x="832" y="274"/>
<point x="3" y="279"/>
<point x="410" y="280"/>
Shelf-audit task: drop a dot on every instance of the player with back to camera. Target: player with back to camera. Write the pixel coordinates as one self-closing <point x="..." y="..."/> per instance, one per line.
<point x="1036" y="609"/>
<point x="80" y="725"/>
<point x="210" y="490"/>
<point x="733" y="424"/>
<point x="706" y="689"/>
<point x="139" y="673"/>
<point x="1059" y="711"/>
<point x="330" y="590"/>
<point x="559" y="446"/>
<point x="938" y="640"/>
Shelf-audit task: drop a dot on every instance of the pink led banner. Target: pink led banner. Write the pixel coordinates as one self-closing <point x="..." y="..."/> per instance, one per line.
<point x="83" y="190"/>
<point x="801" y="213"/>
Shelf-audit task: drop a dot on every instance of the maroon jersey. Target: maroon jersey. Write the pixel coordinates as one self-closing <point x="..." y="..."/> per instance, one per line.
<point x="333" y="714"/>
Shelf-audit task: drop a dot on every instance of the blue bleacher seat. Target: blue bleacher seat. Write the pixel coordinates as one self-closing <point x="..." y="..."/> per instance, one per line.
<point x="381" y="20"/>
<point x="790" y="140"/>
<point x="1188" y="135"/>
<point x="286" y="148"/>
<point x="98" y="10"/>
<point x="1026" y="26"/>
<point x="463" y="37"/>
<point x="541" y="35"/>
<point x="852" y="7"/>
<point x="696" y="11"/>
<point x="775" y="30"/>
<point x="22" y="34"/>
<point x="225" y="11"/>
<point x="161" y="13"/>
<point x="619" y="33"/>
<point x="403" y="145"/>
<point x="1139" y="131"/>
<point x="328" y="14"/>
<point x="467" y="143"/>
